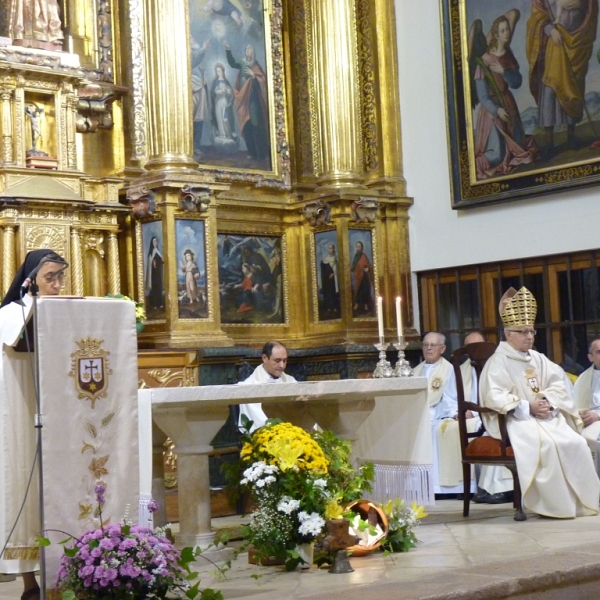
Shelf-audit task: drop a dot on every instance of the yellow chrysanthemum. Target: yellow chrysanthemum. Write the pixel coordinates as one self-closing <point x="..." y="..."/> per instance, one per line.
<point x="290" y="445"/>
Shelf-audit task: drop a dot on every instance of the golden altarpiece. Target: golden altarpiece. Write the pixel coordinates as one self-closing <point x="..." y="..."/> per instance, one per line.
<point x="99" y="161"/>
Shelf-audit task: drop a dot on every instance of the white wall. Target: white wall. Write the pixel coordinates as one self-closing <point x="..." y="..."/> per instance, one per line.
<point x="442" y="237"/>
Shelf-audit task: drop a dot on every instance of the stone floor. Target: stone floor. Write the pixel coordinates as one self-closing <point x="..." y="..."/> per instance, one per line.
<point x="487" y="556"/>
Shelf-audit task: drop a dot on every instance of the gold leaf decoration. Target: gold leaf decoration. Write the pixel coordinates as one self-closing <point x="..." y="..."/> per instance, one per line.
<point x="107" y="419"/>
<point x="85" y="510"/>
<point x="92" y="430"/>
<point x="97" y="466"/>
<point x="87" y="446"/>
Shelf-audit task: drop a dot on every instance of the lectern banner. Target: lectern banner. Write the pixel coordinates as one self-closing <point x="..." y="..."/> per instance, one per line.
<point x="88" y="382"/>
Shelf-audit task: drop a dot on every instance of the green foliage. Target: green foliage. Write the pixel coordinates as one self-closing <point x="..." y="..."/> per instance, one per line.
<point x="348" y="483"/>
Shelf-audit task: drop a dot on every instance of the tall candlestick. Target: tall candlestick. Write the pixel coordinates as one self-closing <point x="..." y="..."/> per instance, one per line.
<point x="399" y="317"/>
<point x="380" y="316"/>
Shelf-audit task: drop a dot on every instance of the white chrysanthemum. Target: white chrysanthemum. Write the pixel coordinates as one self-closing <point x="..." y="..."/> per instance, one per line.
<point x="321" y="483"/>
<point x="310" y="524"/>
<point x="288" y="505"/>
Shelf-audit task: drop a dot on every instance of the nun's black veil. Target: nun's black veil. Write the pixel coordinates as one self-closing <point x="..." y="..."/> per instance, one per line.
<point x="32" y="260"/>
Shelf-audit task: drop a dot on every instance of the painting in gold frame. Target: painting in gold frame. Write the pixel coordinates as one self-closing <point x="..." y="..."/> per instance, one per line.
<point x="326" y="274"/>
<point x="238" y="102"/>
<point x="523" y="98"/>
<point x="363" y="272"/>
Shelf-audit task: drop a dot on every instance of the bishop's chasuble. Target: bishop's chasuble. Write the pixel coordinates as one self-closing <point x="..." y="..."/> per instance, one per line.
<point x="555" y="466"/>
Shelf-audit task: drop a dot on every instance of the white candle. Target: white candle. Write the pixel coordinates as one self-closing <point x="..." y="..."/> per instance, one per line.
<point x="399" y="317"/>
<point x="380" y="315"/>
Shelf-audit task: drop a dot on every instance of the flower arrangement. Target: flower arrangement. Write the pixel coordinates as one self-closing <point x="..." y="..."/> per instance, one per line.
<point x="402" y="520"/>
<point x="122" y="561"/>
<point x="286" y="472"/>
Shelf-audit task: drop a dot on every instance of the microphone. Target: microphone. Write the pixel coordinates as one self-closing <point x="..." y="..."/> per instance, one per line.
<point x="29" y="279"/>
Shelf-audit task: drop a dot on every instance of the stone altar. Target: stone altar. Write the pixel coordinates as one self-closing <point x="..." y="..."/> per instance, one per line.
<point x="192" y="416"/>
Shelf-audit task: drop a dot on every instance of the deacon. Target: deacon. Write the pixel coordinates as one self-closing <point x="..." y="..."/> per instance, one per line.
<point x="274" y="361"/>
<point x="555" y="466"/>
<point x="586" y="395"/>
<point x="18" y="408"/>
<point x="443" y="408"/>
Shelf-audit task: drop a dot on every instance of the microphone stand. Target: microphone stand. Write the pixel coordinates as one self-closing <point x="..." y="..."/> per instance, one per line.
<point x="33" y="288"/>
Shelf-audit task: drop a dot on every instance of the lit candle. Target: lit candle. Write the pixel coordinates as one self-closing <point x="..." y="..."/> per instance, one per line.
<point x="399" y="317"/>
<point x="380" y="315"/>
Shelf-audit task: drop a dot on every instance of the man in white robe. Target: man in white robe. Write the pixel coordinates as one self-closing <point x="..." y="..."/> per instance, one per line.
<point x="586" y="395"/>
<point x="274" y="361"/>
<point x="443" y="408"/>
<point x="555" y="466"/>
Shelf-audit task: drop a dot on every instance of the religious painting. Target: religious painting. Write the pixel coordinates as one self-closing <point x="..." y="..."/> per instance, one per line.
<point x="231" y="84"/>
<point x="251" y="278"/>
<point x="362" y="272"/>
<point x="190" y="242"/>
<point x="327" y="275"/>
<point x="523" y="89"/>
<point x="154" y="270"/>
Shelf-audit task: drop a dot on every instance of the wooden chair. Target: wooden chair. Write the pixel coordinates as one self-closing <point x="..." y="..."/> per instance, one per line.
<point x="475" y="447"/>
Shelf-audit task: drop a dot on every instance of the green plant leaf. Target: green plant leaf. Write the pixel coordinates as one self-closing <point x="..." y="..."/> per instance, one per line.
<point x="42" y="542"/>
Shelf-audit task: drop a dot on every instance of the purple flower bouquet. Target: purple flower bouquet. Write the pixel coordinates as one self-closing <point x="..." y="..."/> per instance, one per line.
<point x="122" y="562"/>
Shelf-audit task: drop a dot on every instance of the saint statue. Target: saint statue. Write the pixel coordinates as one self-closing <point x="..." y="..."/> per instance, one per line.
<point x="36" y="24"/>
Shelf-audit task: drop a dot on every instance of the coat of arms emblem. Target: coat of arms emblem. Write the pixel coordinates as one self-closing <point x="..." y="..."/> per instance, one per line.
<point x="436" y="384"/>
<point x="532" y="379"/>
<point x="89" y="369"/>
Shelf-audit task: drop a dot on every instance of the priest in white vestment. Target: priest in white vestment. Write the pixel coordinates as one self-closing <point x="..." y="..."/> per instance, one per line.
<point x="555" y="466"/>
<point x="18" y="409"/>
<point x="586" y="395"/>
<point x="274" y="361"/>
<point x="443" y="408"/>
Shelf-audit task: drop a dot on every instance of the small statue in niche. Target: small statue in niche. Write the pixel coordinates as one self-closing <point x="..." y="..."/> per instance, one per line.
<point x="36" y="115"/>
<point x="36" y="24"/>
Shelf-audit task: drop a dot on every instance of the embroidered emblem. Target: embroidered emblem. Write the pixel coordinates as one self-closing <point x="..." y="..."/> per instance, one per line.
<point x="532" y="379"/>
<point x="436" y="384"/>
<point x="89" y="369"/>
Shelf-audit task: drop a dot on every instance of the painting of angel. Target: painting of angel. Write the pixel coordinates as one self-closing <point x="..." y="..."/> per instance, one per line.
<point x="524" y="100"/>
<point x="231" y="114"/>
<point x="250" y="278"/>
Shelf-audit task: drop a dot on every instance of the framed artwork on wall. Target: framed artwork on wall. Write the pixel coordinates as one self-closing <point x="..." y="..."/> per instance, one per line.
<point x="251" y="278"/>
<point x="327" y="275"/>
<point x="154" y="271"/>
<point x="237" y="87"/>
<point x="523" y="98"/>
<point x="192" y="296"/>
<point x="363" y="277"/>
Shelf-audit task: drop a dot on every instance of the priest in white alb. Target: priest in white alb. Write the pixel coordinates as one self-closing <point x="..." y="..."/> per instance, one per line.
<point x="443" y="408"/>
<point x="271" y="370"/>
<point x="555" y="466"/>
<point x="586" y="394"/>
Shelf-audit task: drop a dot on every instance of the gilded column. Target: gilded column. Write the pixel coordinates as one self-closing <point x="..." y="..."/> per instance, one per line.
<point x="114" y="286"/>
<point x="387" y="58"/>
<point x="77" y="263"/>
<point x="169" y="108"/>
<point x="336" y="94"/>
<point x="7" y="128"/>
<point x="8" y="257"/>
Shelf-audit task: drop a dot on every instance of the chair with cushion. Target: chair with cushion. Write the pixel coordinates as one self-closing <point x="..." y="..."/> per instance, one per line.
<point x="477" y="448"/>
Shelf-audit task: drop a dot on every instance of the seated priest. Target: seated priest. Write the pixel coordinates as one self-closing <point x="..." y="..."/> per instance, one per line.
<point x="17" y="431"/>
<point x="555" y="466"/>
<point x="586" y="395"/>
<point x="443" y="408"/>
<point x="274" y="361"/>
